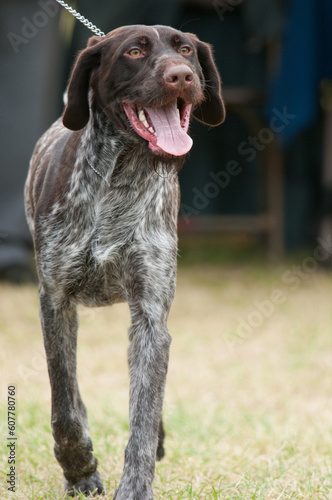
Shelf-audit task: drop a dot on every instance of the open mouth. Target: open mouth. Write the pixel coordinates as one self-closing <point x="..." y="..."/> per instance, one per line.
<point x="164" y="128"/>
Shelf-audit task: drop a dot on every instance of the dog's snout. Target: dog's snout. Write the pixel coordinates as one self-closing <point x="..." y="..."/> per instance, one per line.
<point x="178" y="76"/>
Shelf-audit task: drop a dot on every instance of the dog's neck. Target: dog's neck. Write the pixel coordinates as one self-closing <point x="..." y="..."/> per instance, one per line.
<point x="101" y="142"/>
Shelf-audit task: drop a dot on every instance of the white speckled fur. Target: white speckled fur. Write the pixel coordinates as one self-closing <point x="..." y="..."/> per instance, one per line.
<point x="123" y="229"/>
<point x="102" y="209"/>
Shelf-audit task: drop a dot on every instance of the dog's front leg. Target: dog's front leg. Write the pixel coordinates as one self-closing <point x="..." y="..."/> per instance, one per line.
<point x="148" y="361"/>
<point x="72" y="443"/>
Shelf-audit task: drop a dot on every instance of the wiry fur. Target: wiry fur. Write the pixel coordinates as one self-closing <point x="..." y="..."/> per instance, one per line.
<point x="103" y="213"/>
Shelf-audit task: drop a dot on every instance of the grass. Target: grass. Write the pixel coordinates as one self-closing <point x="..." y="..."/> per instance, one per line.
<point x="248" y="410"/>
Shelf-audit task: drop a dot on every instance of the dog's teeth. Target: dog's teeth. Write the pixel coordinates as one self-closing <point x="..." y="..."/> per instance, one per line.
<point x="151" y="129"/>
<point x="178" y="112"/>
<point x="141" y="115"/>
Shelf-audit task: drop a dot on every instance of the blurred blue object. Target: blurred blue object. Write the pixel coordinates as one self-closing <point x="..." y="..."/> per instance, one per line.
<point x="306" y="59"/>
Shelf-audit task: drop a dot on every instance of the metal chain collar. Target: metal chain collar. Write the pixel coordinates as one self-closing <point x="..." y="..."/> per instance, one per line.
<point x="82" y="19"/>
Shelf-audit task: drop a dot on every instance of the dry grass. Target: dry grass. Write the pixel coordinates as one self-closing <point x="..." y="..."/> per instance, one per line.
<point x="245" y="418"/>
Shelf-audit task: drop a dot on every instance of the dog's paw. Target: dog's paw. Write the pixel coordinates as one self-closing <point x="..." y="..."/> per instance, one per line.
<point x="92" y="485"/>
<point x="160" y="452"/>
<point x="136" y="493"/>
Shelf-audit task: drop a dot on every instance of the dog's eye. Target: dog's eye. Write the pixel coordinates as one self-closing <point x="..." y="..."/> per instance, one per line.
<point x="185" y="50"/>
<point x="135" y="52"/>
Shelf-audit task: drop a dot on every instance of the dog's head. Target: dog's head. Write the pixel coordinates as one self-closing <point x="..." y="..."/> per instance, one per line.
<point x="148" y="80"/>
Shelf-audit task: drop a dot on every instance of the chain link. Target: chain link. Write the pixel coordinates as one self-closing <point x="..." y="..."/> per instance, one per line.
<point x="82" y="19"/>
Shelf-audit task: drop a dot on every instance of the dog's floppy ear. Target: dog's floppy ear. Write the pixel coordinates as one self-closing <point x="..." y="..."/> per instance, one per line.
<point x="212" y="110"/>
<point x="76" y="113"/>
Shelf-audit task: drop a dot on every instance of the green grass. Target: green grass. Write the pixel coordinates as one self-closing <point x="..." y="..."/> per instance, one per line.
<point x="246" y="418"/>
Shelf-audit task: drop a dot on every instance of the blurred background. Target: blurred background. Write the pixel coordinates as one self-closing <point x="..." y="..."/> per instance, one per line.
<point x="263" y="177"/>
<point x="248" y="406"/>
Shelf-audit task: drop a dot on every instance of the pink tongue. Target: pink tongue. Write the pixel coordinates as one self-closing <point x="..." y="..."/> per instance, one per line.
<point x="171" y="137"/>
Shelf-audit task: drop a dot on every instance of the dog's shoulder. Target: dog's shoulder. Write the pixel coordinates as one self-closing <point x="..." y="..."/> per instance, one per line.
<point x="50" y="163"/>
<point x="46" y="145"/>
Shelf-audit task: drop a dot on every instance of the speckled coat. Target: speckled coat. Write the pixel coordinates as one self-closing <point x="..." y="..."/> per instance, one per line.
<point x="102" y="208"/>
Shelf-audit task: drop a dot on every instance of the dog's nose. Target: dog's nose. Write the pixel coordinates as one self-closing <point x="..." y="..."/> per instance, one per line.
<point x="178" y="76"/>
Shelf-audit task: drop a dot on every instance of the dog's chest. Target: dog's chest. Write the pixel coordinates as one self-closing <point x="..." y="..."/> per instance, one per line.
<point x="138" y="213"/>
<point x="108" y="229"/>
<point x="131" y="212"/>
<point x="133" y="241"/>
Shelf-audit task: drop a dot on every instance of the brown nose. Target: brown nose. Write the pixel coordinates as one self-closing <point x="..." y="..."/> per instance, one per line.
<point x="178" y="76"/>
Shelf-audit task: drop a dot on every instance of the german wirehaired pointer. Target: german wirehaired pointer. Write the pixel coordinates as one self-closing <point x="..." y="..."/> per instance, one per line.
<point x="102" y="199"/>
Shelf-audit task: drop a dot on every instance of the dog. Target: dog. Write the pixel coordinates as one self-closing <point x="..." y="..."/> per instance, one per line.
<point x="102" y="199"/>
